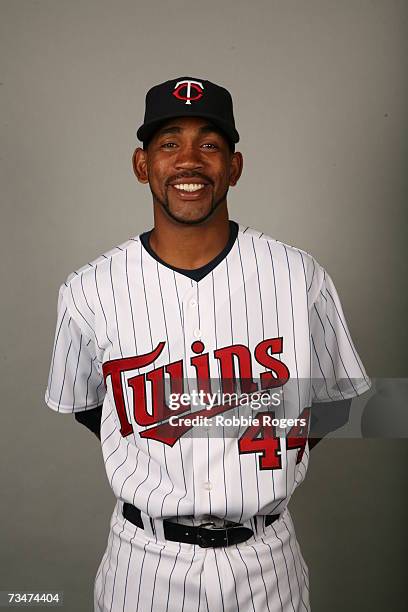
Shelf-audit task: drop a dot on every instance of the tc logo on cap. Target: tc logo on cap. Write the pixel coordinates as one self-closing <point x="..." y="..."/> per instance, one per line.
<point x="188" y="85"/>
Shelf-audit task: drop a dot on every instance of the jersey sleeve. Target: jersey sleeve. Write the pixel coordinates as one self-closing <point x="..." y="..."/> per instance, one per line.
<point x="75" y="381"/>
<point x="337" y="370"/>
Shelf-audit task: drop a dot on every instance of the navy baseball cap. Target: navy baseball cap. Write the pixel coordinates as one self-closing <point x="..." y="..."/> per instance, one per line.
<point x="188" y="97"/>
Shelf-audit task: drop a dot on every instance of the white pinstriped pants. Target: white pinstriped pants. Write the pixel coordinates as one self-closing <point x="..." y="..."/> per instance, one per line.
<point x="140" y="572"/>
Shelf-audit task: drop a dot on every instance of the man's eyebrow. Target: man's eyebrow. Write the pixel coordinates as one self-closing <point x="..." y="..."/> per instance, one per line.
<point x="175" y="129"/>
<point x="209" y="129"/>
<point x="169" y="130"/>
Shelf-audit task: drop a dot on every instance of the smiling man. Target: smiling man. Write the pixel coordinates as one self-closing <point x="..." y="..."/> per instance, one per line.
<point x="189" y="165"/>
<point x="189" y="196"/>
<point x="202" y="307"/>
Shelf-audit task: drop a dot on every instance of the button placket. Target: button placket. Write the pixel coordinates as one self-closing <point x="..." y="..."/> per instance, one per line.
<point x="193" y="333"/>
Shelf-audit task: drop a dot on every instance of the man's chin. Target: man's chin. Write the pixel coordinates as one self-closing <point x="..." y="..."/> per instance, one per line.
<point x="188" y="214"/>
<point x="189" y="217"/>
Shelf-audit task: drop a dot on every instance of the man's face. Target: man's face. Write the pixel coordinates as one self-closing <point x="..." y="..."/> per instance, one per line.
<point x="189" y="167"/>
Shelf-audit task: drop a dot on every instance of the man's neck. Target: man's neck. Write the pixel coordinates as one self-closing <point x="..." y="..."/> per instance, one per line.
<point x="189" y="246"/>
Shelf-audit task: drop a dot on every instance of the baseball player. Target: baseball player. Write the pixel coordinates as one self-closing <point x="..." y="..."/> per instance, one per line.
<point x="151" y="338"/>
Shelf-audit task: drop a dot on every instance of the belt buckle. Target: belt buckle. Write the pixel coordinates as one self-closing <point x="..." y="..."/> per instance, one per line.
<point x="204" y="535"/>
<point x="204" y="539"/>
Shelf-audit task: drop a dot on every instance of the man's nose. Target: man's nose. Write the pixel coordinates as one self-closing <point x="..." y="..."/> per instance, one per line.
<point x="188" y="156"/>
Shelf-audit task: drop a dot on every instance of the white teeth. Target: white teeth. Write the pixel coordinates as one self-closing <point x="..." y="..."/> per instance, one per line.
<point x="189" y="186"/>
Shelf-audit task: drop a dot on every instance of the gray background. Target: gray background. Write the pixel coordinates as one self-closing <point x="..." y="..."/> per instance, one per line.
<point x="320" y="91"/>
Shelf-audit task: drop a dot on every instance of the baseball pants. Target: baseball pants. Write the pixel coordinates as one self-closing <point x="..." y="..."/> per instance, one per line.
<point x="143" y="572"/>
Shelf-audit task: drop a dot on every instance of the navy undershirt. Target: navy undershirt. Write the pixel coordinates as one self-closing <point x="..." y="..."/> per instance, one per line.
<point x="198" y="273"/>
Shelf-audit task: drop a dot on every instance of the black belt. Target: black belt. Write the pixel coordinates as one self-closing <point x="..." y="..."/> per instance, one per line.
<point x="205" y="535"/>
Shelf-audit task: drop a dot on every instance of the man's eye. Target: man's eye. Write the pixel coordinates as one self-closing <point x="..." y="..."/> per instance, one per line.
<point x="210" y="144"/>
<point x="168" y="145"/>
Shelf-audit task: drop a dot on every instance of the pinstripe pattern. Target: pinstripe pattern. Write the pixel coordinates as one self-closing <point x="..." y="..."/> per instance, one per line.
<point x="266" y="573"/>
<point x="124" y="304"/>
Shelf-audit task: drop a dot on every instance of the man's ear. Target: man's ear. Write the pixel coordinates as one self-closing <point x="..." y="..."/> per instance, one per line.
<point x="139" y="163"/>
<point x="236" y="168"/>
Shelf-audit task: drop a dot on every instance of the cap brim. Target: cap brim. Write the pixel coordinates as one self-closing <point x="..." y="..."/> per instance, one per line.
<point x="146" y="131"/>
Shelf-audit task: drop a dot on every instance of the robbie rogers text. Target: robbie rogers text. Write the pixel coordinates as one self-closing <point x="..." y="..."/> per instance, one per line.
<point x="235" y="421"/>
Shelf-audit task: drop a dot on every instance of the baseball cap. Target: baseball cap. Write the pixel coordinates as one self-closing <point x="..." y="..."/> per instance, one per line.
<point x="188" y="97"/>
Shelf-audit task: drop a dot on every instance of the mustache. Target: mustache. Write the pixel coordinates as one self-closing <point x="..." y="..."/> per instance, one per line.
<point x="186" y="175"/>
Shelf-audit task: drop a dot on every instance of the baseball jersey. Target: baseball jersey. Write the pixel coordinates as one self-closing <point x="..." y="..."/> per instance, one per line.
<point x="131" y="331"/>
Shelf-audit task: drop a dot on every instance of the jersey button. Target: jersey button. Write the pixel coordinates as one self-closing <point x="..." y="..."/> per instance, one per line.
<point x="207" y="485"/>
<point x="197" y="333"/>
<point x="193" y="303"/>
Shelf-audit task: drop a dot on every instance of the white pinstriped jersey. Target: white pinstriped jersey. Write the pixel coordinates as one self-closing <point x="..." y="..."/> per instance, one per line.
<point x="126" y="322"/>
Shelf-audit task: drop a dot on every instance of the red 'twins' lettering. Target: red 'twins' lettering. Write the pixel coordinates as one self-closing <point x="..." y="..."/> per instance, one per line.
<point x="235" y="363"/>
